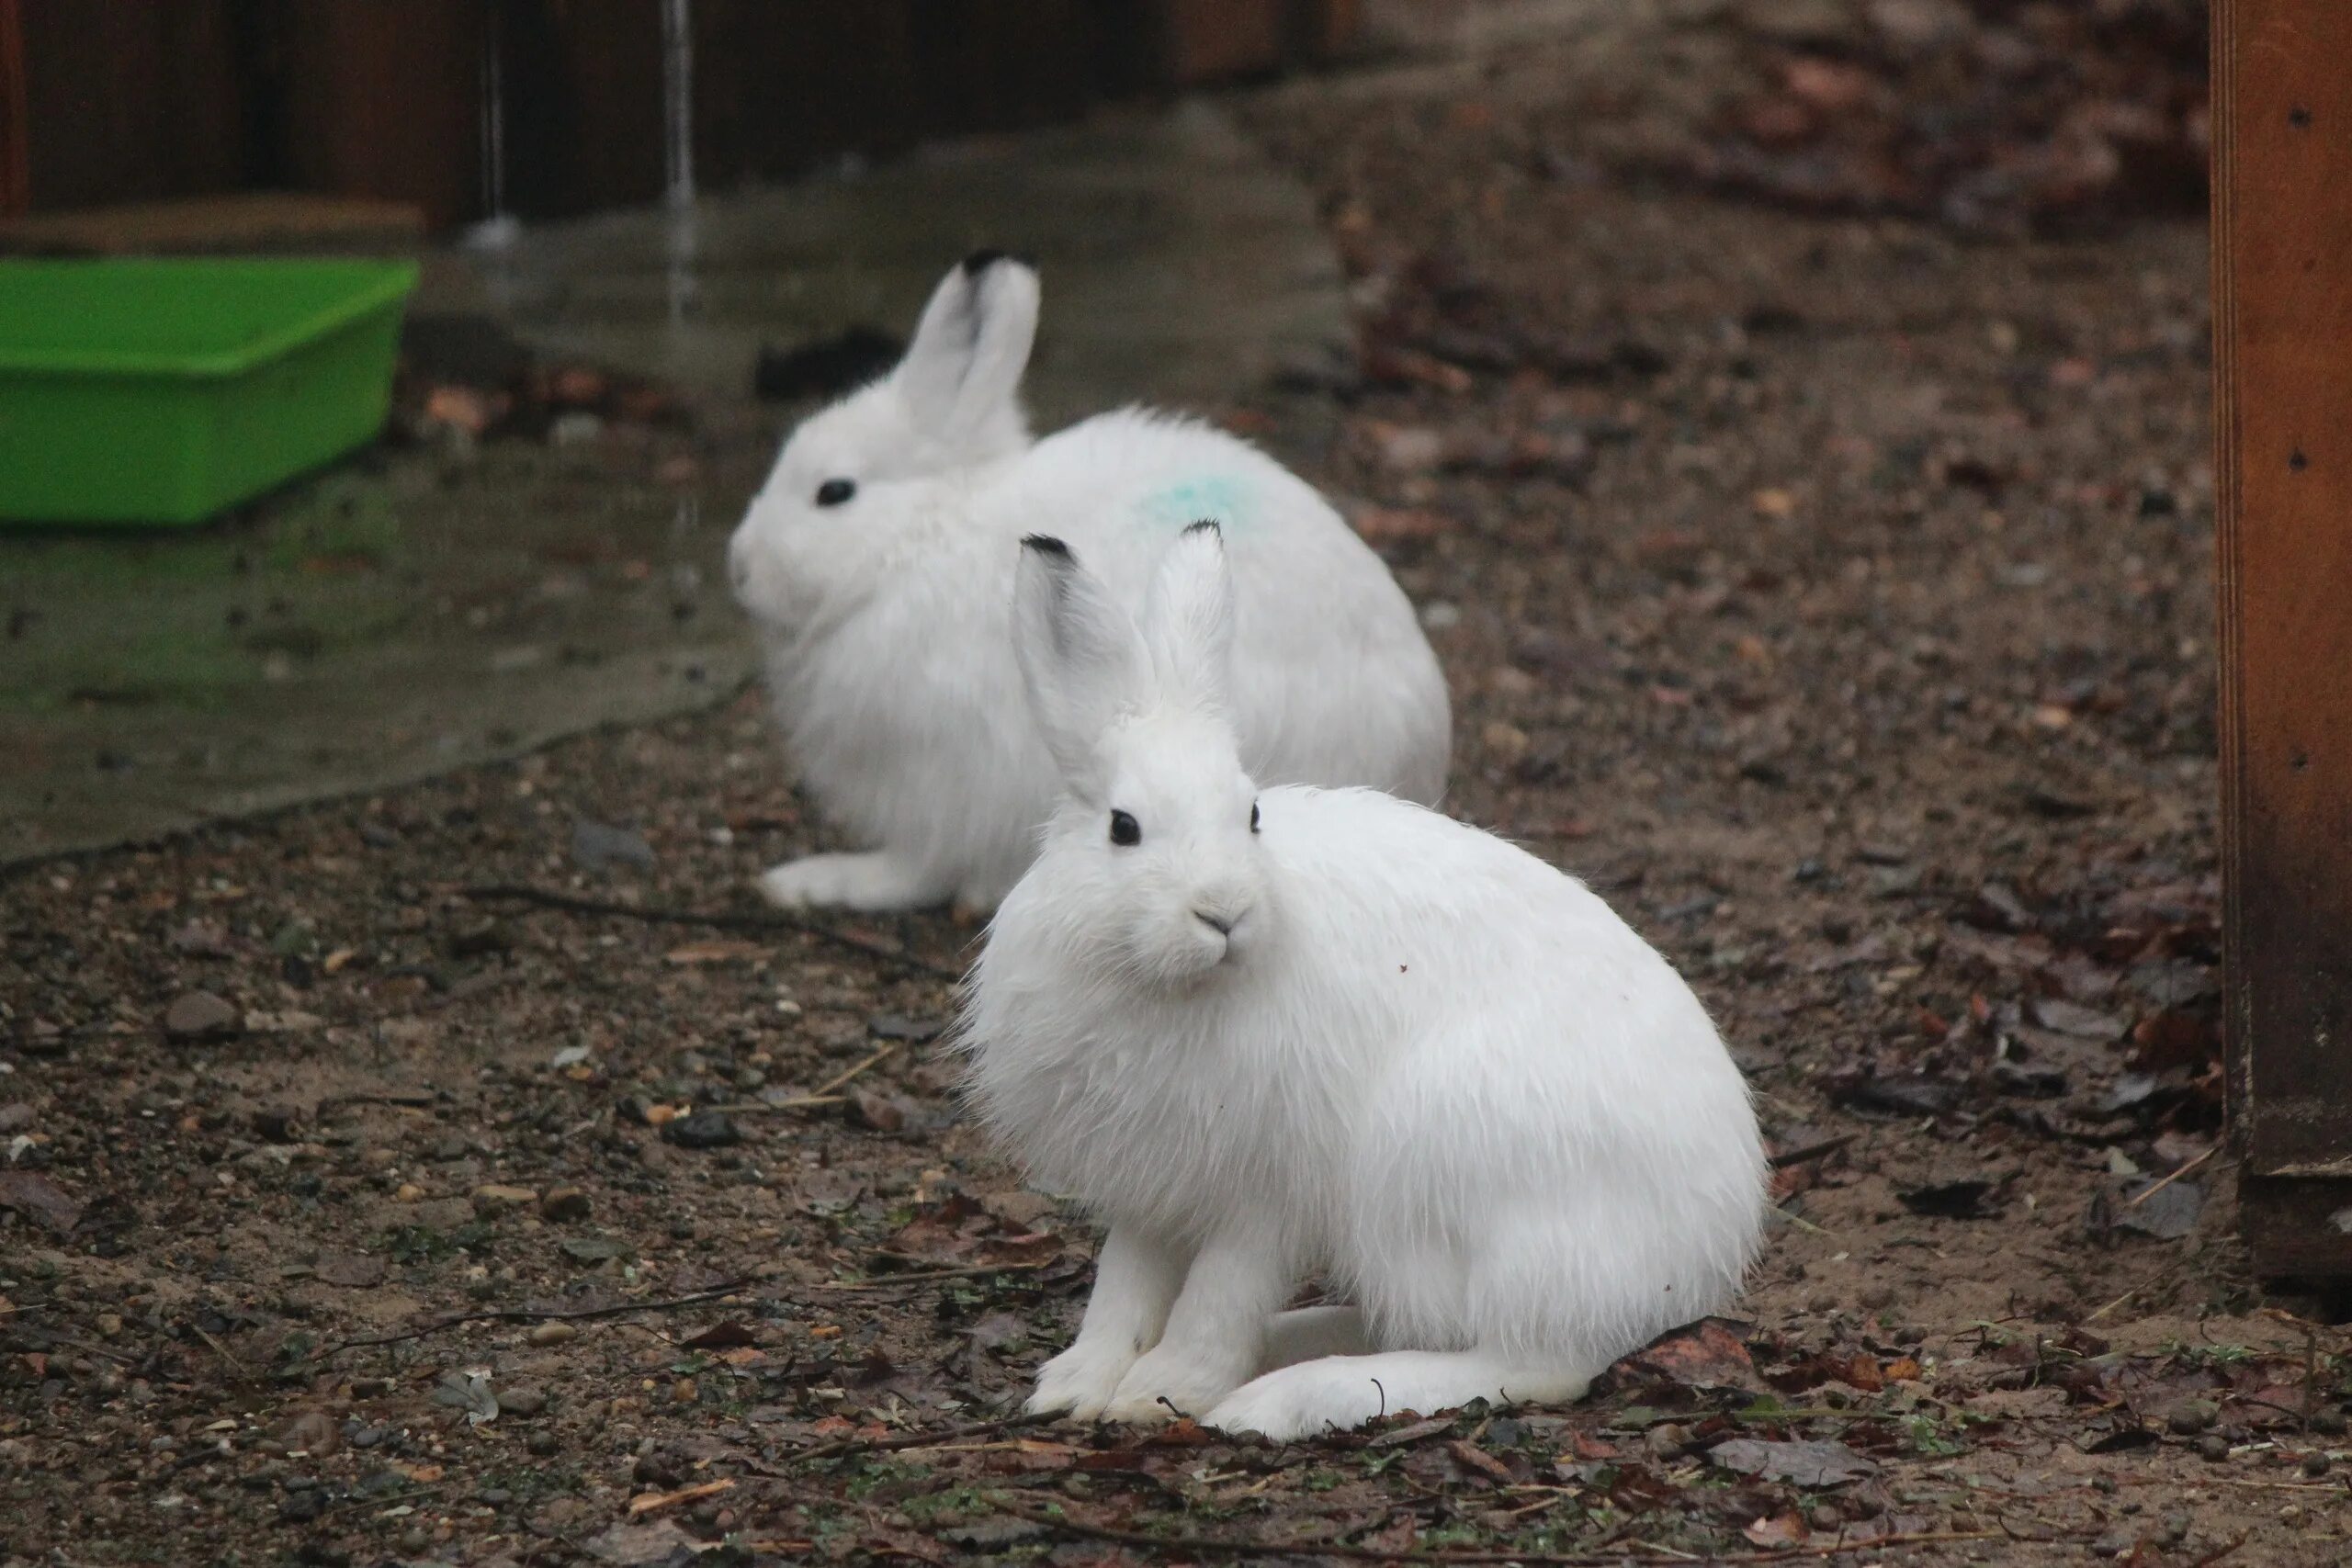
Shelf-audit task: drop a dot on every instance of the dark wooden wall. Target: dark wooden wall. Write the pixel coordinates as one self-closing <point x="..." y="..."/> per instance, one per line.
<point x="127" y="102"/>
<point x="2282" y="317"/>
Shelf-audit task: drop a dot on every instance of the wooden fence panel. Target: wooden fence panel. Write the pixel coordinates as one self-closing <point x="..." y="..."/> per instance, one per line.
<point x="2282" y="314"/>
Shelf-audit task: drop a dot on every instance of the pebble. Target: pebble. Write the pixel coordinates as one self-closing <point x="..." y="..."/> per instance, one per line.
<point x="2327" y="1423"/>
<point x="553" y="1333"/>
<point x="524" y="1402"/>
<point x="543" y="1442"/>
<point x="596" y="845"/>
<point x="2191" y="1417"/>
<point x="201" y="1015"/>
<point x="15" y="1118"/>
<point x="2213" y="1447"/>
<point x="1666" y="1439"/>
<point x="2314" y="1465"/>
<point x="493" y="1198"/>
<point x="564" y="1203"/>
<point x="480" y="940"/>
<point x="201" y="939"/>
<point x="2114" y="1543"/>
<point x="703" y="1130"/>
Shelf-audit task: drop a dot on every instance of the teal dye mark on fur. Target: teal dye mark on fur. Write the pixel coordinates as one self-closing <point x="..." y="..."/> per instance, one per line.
<point x="1217" y="499"/>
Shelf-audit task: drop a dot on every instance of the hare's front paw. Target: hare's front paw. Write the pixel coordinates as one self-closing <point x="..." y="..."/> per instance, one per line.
<point x="1173" y="1381"/>
<point x="1080" y="1382"/>
<point x="869" y="882"/>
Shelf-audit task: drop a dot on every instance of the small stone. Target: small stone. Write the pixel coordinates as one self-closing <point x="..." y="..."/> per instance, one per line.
<point x="2314" y="1465"/>
<point x="1666" y="1439"/>
<point x="201" y="1015"/>
<point x="2191" y="1417"/>
<point x="543" y="1442"/>
<point x="2174" y="1530"/>
<point x="876" y="1111"/>
<point x="577" y="428"/>
<point x="553" y="1333"/>
<point x="201" y="939"/>
<point x="2213" y="1447"/>
<point x="494" y="1198"/>
<point x="2326" y="1423"/>
<point x="1823" y="1516"/>
<point x="596" y="845"/>
<point x="1506" y="743"/>
<point x="480" y="940"/>
<point x="563" y="1204"/>
<point x="301" y="1508"/>
<point x="407" y="1192"/>
<point x="15" y="1118"/>
<point x="2114" y="1543"/>
<point x="703" y="1130"/>
<point x="525" y="1402"/>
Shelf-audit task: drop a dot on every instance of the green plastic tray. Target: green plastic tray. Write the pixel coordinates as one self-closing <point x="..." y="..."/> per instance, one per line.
<point x="160" y="391"/>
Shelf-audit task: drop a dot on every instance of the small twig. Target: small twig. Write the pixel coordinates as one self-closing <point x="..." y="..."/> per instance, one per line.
<point x="1801" y="1221"/>
<point x="823" y="1094"/>
<point x="797" y="1102"/>
<point x="924" y="1278"/>
<point x="525" y="1314"/>
<point x="717" y="920"/>
<point x="2145" y="1284"/>
<point x="220" y="1350"/>
<point x="897" y="1440"/>
<point x="1810" y="1152"/>
<point x="1211" y="1546"/>
<point x="2155" y="1187"/>
<point x="407" y="1101"/>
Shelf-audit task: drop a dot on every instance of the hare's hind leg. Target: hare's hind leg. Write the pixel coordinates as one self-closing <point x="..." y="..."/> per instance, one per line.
<point x="1308" y="1334"/>
<point x="1341" y="1391"/>
<point x="876" y="882"/>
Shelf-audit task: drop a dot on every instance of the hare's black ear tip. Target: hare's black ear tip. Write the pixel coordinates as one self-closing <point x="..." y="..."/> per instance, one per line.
<point x="1045" y="544"/>
<point x="1208" y="526"/>
<point x="980" y="262"/>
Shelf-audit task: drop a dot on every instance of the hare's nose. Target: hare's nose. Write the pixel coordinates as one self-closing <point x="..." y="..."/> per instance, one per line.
<point x="1217" y="921"/>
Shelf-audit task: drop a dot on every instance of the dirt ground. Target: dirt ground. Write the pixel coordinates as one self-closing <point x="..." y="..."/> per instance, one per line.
<point x="1833" y="593"/>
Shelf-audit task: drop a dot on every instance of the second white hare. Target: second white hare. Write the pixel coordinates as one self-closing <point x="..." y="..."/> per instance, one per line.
<point x="878" y="565"/>
<point x="1273" y="1035"/>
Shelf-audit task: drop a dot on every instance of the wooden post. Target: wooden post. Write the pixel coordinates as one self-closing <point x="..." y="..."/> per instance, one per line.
<point x="2282" y="333"/>
<point x="15" y="115"/>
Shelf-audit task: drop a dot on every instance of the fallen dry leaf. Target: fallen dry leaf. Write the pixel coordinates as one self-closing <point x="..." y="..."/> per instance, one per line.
<point x="652" y="1502"/>
<point x="1800" y="1464"/>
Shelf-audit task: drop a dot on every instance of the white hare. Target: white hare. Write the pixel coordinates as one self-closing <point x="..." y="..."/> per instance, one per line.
<point x="1270" y="1034"/>
<point x="878" y="563"/>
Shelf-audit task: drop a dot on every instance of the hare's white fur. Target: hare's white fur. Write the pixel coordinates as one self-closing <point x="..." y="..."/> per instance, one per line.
<point x="1365" y="1043"/>
<point x="884" y="617"/>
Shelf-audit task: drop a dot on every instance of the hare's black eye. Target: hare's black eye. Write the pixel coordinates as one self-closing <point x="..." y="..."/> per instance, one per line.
<point x="1125" y="832"/>
<point x="1253" y="816"/>
<point x="832" y="493"/>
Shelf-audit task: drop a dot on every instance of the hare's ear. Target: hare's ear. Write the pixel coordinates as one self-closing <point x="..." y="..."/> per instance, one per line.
<point x="1081" y="658"/>
<point x="961" y="377"/>
<point x="1189" y="623"/>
